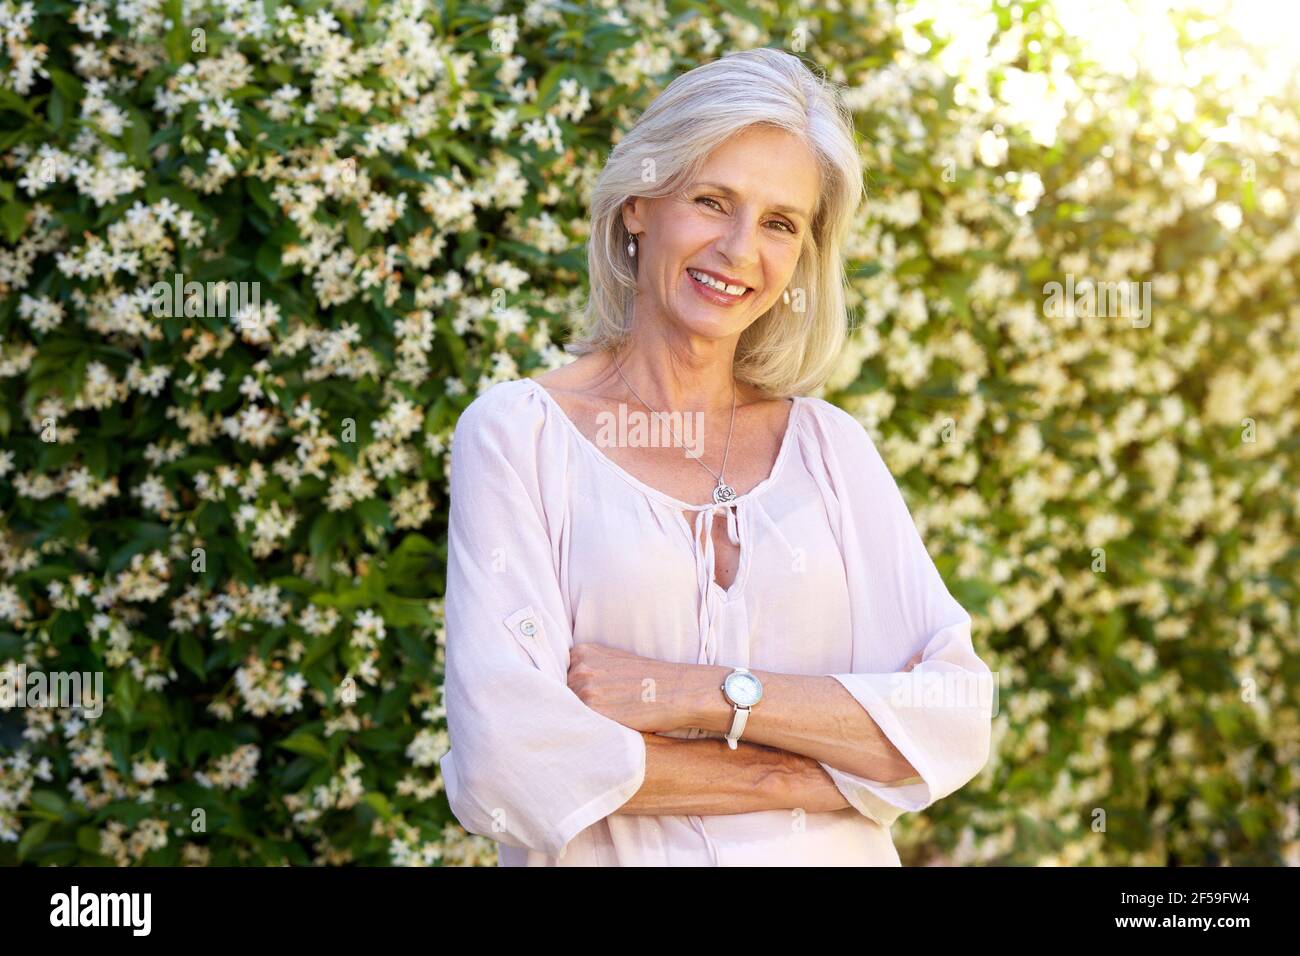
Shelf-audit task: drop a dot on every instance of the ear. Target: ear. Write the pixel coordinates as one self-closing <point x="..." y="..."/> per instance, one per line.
<point x="634" y="214"/>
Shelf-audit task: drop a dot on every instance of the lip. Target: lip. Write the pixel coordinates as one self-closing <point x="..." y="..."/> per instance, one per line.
<point x="714" y="295"/>
<point x="719" y="276"/>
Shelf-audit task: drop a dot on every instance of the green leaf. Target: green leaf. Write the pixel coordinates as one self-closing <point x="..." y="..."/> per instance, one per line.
<point x="325" y="531"/>
<point x="97" y="460"/>
<point x="182" y="196"/>
<point x="10" y="100"/>
<point x="374" y="511"/>
<point x="261" y="195"/>
<point x="455" y="345"/>
<point x="13" y="218"/>
<point x="177" y="40"/>
<point x="57" y="111"/>
<point x="269" y="261"/>
<point x="549" y="81"/>
<point x="126" y="695"/>
<point x="321" y="646"/>
<point x="33" y="837"/>
<point x="380" y="804"/>
<point x="192" y="654"/>
<point x="358" y="235"/>
<point x="136" y="139"/>
<point x="88" y="839"/>
<point x="241" y="565"/>
<point x="465" y="156"/>
<point x="309" y="745"/>
<point x="49" y="804"/>
<point x="47" y="572"/>
<point x="68" y="85"/>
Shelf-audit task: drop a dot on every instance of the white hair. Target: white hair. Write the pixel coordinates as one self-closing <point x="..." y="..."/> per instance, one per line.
<point x="783" y="352"/>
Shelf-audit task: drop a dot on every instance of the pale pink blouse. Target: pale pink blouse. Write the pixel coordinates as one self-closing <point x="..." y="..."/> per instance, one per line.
<point x="552" y="543"/>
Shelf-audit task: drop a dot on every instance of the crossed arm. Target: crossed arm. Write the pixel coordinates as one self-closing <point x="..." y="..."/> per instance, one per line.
<point x="801" y="720"/>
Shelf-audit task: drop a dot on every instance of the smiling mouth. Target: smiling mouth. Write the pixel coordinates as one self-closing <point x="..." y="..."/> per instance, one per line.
<point x="717" y="286"/>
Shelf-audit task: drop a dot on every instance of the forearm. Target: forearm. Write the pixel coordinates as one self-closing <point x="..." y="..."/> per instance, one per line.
<point x="706" y="777"/>
<point x="803" y="715"/>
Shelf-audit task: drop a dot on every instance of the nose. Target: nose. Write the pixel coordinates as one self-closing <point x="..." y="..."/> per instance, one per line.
<point x="739" y="243"/>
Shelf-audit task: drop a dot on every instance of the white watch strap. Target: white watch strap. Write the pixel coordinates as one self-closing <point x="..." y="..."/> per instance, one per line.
<point x="740" y="715"/>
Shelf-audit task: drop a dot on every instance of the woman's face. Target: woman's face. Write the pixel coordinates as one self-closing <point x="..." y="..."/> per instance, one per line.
<point x="742" y="222"/>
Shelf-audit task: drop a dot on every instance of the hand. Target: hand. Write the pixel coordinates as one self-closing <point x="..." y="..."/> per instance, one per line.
<point x="638" y="692"/>
<point x="916" y="659"/>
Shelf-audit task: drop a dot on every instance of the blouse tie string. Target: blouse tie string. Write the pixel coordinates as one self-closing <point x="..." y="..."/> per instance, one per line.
<point x="705" y="570"/>
<point x="705" y="567"/>
<point x="698" y="825"/>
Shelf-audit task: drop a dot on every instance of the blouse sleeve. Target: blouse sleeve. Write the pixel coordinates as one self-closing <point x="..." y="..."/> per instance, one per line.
<point x="530" y="764"/>
<point x="938" y="715"/>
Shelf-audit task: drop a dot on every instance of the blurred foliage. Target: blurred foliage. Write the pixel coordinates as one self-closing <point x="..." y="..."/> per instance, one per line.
<point x="240" y="520"/>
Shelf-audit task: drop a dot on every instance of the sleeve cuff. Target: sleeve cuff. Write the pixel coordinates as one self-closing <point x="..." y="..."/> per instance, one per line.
<point x="882" y="802"/>
<point x="597" y="809"/>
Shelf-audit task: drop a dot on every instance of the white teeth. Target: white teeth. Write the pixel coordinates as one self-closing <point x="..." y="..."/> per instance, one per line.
<point x="715" y="284"/>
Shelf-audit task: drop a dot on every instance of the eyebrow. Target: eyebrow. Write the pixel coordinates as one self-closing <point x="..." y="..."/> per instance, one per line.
<point x="731" y="194"/>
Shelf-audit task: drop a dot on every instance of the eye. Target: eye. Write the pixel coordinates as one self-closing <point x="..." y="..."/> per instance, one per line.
<point x="714" y="204"/>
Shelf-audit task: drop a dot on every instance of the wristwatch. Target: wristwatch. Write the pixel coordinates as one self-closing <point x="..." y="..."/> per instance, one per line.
<point x="743" y="690"/>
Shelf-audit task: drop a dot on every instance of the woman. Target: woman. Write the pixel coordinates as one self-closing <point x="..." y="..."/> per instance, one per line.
<point x="629" y="681"/>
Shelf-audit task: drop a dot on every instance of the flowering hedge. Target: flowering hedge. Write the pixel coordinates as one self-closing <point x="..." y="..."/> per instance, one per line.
<point x="237" y="515"/>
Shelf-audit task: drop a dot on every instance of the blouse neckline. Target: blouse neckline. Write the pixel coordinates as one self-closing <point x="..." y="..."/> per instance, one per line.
<point x="584" y="441"/>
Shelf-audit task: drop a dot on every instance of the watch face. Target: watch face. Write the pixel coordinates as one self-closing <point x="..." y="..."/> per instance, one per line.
<point x="744" y="689"/>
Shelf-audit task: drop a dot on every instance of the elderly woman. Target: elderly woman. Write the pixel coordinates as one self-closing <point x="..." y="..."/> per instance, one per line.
<point x="739" y="657"/>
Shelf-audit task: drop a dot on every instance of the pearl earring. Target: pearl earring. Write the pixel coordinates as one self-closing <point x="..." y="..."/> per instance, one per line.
<point x="631" y="246"/>
<point x="785" y="296"/>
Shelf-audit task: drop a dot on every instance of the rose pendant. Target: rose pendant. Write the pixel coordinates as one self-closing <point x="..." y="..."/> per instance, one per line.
<point x="723" y="493"/>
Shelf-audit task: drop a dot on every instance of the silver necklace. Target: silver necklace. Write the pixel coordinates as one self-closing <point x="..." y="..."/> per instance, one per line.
<point x="723" y="492"/>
